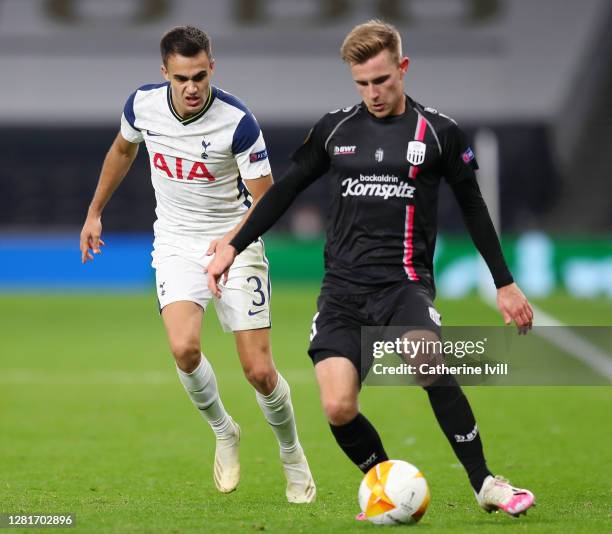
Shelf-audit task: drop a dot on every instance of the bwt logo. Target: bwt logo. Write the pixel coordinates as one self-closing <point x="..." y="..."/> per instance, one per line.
<point x="344" y="150"/>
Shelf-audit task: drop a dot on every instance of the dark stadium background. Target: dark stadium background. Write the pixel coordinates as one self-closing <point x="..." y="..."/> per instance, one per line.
<point x="538" y="76"/>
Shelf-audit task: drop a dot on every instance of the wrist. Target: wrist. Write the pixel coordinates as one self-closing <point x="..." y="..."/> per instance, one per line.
<point x="232" y="250"/>
<point x="504" y="282"/>
<point x="94" y="213"/>
<point x="233" y="247"/>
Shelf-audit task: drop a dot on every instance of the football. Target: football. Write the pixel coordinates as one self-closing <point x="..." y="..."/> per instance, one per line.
<point x="394" y="492"/>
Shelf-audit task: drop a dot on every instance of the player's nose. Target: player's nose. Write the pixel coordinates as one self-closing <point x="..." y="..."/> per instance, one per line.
<point x="373" y="93"/>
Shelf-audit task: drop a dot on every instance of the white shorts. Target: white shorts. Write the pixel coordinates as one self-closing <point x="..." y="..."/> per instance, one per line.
<point x="245" y="300"/>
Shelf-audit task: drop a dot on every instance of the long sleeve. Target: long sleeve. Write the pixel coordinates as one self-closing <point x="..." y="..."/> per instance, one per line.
<point x="273" y="205"/>
<point x="481" y="229"/>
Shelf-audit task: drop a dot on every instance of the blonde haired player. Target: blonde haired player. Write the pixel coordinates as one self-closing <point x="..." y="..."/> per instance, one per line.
<point x="207" y="157"/>
<point x="379" y="253"/>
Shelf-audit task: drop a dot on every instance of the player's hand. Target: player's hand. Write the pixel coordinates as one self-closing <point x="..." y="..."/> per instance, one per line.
<point x="90" y="238"/>
<point x="514" y="306"/>
<point x="216" y="245"/>
<point x="219" y="266"/>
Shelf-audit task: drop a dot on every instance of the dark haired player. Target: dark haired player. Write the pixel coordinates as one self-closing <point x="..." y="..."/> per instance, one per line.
<point x="386" y="157"/>
<point x="207" y="157"/>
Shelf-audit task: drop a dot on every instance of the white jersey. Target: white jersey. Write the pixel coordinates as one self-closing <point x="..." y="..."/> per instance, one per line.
<point x="198" y="163"/>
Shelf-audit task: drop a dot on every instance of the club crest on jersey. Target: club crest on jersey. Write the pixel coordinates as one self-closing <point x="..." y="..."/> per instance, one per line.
<point x="468" y="155"/>
<point x="379" y="155"/>
<point x="416" y="152"/>
<point x="205" y="145"/>
<point x="344" y="150"/>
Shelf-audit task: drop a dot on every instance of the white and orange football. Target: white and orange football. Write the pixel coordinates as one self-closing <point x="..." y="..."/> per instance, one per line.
<point x="394" y="492"/>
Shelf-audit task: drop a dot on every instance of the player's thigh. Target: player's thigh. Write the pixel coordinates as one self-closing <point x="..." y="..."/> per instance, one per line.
<point x="245" y="297"/>
<point x="408" y="312"/>
<point x="425" y="356"/>
<point x="183" y="295"/>
<point x="339" y="388"/>
<point x="183" y="322"/>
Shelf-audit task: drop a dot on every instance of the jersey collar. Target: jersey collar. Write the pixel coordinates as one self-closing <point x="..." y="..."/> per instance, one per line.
<point x="393" y="118"/>
<point x="212" y="93"/>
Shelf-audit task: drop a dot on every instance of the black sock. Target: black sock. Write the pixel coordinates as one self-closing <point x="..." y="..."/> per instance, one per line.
<point x="360" y="442"/>
<point x="457" y="421"/>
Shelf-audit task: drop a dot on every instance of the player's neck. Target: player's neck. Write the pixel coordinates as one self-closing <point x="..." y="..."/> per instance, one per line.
<point x="400" y="109"/>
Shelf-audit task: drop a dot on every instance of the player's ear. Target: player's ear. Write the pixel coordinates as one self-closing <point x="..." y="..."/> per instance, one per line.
<point x="212" y="64"/>
<point x="164" y="72"/>
<point x="403" y="64"/>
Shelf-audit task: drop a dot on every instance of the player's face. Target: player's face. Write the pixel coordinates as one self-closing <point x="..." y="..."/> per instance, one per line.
<point x="380" y="82"/>
<point x="189" y="79"/>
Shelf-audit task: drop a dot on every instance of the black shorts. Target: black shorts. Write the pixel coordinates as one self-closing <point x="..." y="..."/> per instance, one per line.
<point x="336" y="327"/>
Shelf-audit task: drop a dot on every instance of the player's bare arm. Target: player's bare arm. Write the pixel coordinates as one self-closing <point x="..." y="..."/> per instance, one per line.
<point x="116" y="165"/>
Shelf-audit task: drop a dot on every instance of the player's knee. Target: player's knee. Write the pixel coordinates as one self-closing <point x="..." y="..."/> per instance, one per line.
<point x="187" y="354"/>
<point x="261" y="377"/>
<point x="340" y="411"/>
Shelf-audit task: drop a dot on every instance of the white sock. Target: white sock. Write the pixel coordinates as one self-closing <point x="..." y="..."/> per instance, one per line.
<point x="201" y="386"/>
<point x="278" y="411"/>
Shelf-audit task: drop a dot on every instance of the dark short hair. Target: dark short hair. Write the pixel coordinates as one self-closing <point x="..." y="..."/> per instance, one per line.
<point x="186" y="41"/>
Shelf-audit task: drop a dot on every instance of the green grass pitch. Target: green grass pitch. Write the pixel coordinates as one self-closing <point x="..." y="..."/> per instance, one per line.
<point x="93" y="421"/>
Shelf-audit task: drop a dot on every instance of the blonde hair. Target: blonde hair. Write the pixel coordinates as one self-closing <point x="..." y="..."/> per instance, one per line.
<point x="368" y="39"/>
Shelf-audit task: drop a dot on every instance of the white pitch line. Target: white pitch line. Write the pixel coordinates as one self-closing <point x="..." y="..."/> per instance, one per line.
<point x="577" y="346"/>
<point x="571" y="343"/>
<point x="488" y="158"/>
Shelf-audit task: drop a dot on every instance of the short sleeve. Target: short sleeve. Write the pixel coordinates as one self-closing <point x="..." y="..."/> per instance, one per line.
<point x="253" y="162"/>
<point x="458" y="158"/>
<point x="249" y="148"/>
<point x="129" y="131"/>
<point x="312" y="156"/>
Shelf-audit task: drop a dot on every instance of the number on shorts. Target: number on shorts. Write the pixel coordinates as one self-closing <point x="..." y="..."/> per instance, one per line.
<point x="313" y="329"/>
<point x="258" y="290"/>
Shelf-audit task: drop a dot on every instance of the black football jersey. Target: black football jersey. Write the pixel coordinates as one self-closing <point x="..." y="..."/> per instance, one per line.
<point x="385" y="176"/>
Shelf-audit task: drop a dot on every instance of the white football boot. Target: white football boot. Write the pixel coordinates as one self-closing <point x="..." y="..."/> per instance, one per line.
<point x="227" y="462"/>
<point x="300" y="484"/>
<point x="497" y="494"/>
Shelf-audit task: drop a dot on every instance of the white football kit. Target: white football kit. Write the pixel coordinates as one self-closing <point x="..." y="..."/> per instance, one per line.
<point x="198" y="166"/>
